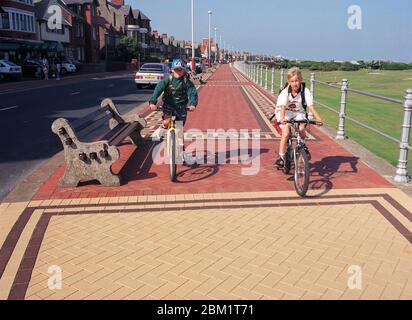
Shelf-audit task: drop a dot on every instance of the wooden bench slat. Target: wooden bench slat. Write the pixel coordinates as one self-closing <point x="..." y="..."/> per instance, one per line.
<point x="98" y="115"/>
<point x="123" y="133"/>
<point x="114" y="132"/>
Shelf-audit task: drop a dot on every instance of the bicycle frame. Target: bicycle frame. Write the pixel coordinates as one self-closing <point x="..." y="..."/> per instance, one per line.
<point x="296" y="154"/>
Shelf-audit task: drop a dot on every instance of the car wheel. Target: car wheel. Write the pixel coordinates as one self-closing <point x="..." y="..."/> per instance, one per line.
<point x="138" y="86"/>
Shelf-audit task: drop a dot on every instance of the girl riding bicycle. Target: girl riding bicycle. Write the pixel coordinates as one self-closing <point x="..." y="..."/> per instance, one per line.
<point x="291" y="105"/>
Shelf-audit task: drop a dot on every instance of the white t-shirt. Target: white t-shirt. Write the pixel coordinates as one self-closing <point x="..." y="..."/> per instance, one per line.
<point x="293" y="104"/>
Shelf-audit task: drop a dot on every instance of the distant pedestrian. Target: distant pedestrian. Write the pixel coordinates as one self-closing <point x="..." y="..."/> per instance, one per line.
<point x="45" y="66"/>
<point x="58" y="68"/>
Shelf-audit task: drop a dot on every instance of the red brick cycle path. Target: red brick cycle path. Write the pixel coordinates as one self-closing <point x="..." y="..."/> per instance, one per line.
<point x="223" y="105"/>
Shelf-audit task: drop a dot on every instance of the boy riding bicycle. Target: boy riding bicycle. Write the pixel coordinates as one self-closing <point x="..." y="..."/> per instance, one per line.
<point x="178" y="91"/>
<point x="291" y="105"/>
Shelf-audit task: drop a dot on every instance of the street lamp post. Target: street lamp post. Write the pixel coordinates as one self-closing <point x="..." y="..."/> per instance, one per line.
<point x="220" y="46"/>
<point x="193" y="35"/>
<point x="208" y="50"/>
<point x="215" y="45"/>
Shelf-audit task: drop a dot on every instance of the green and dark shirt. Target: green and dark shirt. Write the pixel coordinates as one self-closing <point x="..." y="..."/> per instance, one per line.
<point x="176" y="92"/>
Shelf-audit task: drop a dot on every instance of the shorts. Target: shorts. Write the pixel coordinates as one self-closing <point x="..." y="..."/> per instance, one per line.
<point x="179" y="111"/>
<point x="290" y="115"/>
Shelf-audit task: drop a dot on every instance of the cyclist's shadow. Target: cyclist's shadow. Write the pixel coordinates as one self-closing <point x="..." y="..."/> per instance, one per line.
<point x="207" y="164"/>
<point x="324" y="171"/>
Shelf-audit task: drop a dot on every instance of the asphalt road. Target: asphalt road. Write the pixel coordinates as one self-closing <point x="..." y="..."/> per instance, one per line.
<point x="26" y="139"/>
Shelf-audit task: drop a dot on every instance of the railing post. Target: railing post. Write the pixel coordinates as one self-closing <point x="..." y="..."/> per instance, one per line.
<point x="402" y="167"/>
<point x="341" y="128"/>
<point x="267" y="78"/>
<point x="282" y="78"/>
<point x="261" y="75"/>
<point x="272" y="87"/>
<point x="312" y="91"/>
<point x="256" y="73"/>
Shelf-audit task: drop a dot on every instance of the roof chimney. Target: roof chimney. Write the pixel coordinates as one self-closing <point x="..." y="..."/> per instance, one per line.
<point x="118" y="2"/>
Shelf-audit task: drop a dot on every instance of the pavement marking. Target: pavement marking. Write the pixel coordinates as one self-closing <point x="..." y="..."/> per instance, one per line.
<point x="6" y="282"/>
<point x="110" y="85"/>
<point x="9" y="108"/>
<point x="74" y="93"/>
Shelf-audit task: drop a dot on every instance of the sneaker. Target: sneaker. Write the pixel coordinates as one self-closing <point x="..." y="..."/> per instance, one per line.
<point x="184" y="160"/>
<point x="279" y="163"/>
<point x="159" y="134"/>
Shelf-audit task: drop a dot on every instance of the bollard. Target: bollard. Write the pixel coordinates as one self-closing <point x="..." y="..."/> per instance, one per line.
<point x="402" y="167"/>
<point x="342" y="114"/>
<point x="282" y="78"/>
<point x="272" y="87"/>
<point x="267" y="78"/>
<point x="312" y="91"/>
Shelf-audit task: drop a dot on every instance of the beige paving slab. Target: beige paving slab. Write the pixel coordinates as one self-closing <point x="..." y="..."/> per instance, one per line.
<point x="298" y="252"/>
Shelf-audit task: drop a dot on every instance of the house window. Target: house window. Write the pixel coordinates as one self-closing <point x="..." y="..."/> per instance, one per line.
<point x="5" y="21"/>
<point x="13" y="20"/>
<point x="78" y="30"/>
<point x="21" y="22"/>
<point x="24" y="22"/>
<point x="18" y="21"/>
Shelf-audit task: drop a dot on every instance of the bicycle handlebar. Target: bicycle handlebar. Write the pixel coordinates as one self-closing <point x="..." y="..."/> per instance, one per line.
<point x="296" y="121"/>
<point x="301" y="121"/>
<point x="160" y="108"/>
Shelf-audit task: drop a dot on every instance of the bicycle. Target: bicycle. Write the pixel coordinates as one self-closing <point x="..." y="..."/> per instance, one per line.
<point x="172" y="150"/>
<point x="299" y="157"/>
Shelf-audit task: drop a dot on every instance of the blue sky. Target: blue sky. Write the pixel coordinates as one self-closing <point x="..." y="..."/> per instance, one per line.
<point x="315" y="29"/>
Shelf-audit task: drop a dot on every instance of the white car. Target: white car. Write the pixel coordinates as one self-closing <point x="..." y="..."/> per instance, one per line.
<point x="9" y="69"/>
<point x="198" y="63"/>
<point x="151" y="74"/>
<point x="67" y="67"/>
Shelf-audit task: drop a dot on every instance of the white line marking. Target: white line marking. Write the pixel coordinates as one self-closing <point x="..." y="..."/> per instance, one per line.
<point x="8" y="108"/>
<point x="73" y="93"/>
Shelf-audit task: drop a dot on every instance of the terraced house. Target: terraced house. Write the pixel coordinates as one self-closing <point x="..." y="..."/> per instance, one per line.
<point x="89" y="31"/>
<point x="17" y="28"/>
<point x="56" y="37"/>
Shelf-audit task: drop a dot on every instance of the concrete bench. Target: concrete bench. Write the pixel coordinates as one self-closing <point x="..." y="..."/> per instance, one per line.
<point x="93" y="161"/>
<point x="195" y="78"/>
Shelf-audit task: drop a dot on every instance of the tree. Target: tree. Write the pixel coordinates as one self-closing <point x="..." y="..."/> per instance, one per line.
<point x="130" y="48"/>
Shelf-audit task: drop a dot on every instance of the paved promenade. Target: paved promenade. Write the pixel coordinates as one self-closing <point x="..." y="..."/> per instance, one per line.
<point x="231" y="230"/>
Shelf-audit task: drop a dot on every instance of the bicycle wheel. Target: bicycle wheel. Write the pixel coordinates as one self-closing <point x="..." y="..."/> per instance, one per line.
<point x="301" y="180"/>
<point x="172" y="155"/>
<point x="287" y="163"/>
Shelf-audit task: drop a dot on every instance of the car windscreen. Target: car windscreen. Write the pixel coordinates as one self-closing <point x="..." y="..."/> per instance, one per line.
<point x="9" y="63"/>
<point x="151" y="68"/>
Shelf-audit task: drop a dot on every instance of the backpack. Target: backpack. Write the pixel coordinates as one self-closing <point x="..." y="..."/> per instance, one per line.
<point x="169" y="83"/>
<point x="302" y="93"/>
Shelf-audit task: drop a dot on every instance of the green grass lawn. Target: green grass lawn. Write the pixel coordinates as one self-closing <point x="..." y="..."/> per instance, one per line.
<point x="384" y="116"/>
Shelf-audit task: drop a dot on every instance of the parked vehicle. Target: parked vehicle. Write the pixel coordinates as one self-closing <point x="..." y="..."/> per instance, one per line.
<point x="9" y="70"/>
<point x="151" y="74"/>
<point x="33" y="68"/>
<point x="75" y="62"/>
<point x="67" y="67"/>
<point x="198" y="64"/>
